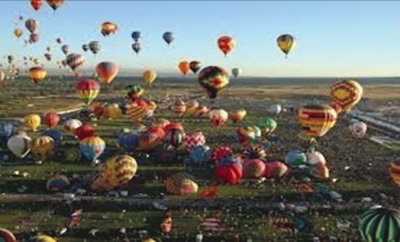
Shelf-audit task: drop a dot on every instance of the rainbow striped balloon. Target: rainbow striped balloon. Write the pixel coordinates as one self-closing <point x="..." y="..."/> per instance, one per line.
<point x="88" y="90"/>
<point x="57" y="183"/>
<point x="92" y="147"/>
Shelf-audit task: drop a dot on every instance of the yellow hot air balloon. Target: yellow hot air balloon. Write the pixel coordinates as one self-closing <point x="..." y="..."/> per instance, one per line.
<point x="346" y="94"/>
<point x="149" y="77"/>
<point x="37" y="74"/>
<point x="112" y="111"/>
<point x="43" y="147"/>
<point x="44" y="238"/>
<point x="191" y="107"/>
<point x="18" y="32"/>
<point x="32" y="121"/>
<point x="238" y="115"/>
<point x="286" y="43"/>
<point x="117" y="171"/>
<point x="317" y="119"/>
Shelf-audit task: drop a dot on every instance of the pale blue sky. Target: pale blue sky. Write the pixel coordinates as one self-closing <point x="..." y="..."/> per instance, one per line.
<point x="334" y="38"/>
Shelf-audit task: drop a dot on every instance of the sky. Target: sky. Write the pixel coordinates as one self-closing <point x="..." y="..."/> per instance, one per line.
<point x="334" y="38"/>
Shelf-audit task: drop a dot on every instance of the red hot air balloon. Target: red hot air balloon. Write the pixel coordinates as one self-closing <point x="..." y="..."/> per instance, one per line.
<point x="226" y="44"/>
<point x="37" y="4"/>
<point x="107" y="71"/>
<point x="52" y="119"/>
<point x="85" y="130"/>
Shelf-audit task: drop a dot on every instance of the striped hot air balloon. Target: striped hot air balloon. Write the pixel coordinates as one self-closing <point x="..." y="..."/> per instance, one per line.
<point x="92" y="147"/>
<point x="238" y="115"/>
<point x="87" y="90"/>
<point x="346" y="94"/>
<point x="37" y="74"/>
<point x="395" y="171"/>
<point x="57" y="183"/>
<point x="43" y="147"/>
<point x="136" y="112"/>
<point x="181" y="183"/>
<point x="317" y="119"/>
<point x="7" y="236"/>
<point x="380" y="225"/>
<point x="74" y="60"/>
<point x="107" y="71"/>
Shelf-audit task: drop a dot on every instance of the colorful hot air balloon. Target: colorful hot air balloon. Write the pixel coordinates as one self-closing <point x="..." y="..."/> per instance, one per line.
<point x="254" y="168"/>
<point x="149" y="77"/>
<point x="168" y="37"/>
<point x="136" y="47"/>
<point x="85" y="130"/>
<point x="19" y="145"/>
<point x="237" y="115"/>
<point x="226" y="44"/>
<point x="213" y="79"/>
<point x="179" y="107"/>
<point x="184" y="67"/>
<point x="395" y="171"/>
<point x="65" y="49"/>
<point x="191" y="107"/>
<point x="112" y="111"/>
<point x="36" y="4"/>
<point x="317" y="119"/>
<point x="94" y="47"/>
<point x="136" y="36"/>
<point x="52" y="119"/>
<point x="54" y="4"/>
<point x="37" y="74"/>
<point x="75" y="60"/>
<point x="218" y="117"/>
<point x="195" y="66"/>
<point x="286" y="43"/>
<point x="175" y="137"/>
<point x="194" y="139"/>
<point x="108" y="28"/>
<point x="32" y="121"/>
<point x="346" y="94"/>
<point x="117" y="171"/>
<point x="92" y="147"/>
<point x="380" y="224"/>
<point x="18" y="32"/>
<point x="57" y="183"/>
<point x="107" y="71"/>
<point x="55" y="134"/>
<point x="248" y="134"/>
<point x="296" y="158"/>
<point x="31" y="25"/>
<point x="254" y="152"/>
<point x="33" y="38"/>
<point x="358" y="129"/>
<point x="128" y="139"/>
<point x="229" y="170"/>
<point x="87" y="90"/>
<point x="236" y="72"/>
<point x="268" y="125"/>
<point x="7" y="236"/>
<point x="43" y="147"/>
<point x="136" y="112"/>
<point x="134" y="92"/>
<point x="181" y="183"/>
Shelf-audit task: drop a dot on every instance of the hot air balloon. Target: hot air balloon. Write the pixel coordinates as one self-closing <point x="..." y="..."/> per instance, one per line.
<point x="43" y="147"/>
<point x="254" y="168"/>
<point x="226" y="44"/>
<point x="85" y="130"/>
<point x="112" y="111"/>
<point x="37" y="4"/>
<point x="10" y="59"/>
<point x="31" y="25"/>
<point x="43" y="238"/>
<point x="317" y="119"/>
<point x="268" y="125"/>
<point x="94" y="47"/>
<point x="85" y="47"/>
<point x="149" y="77"/>
<point x="32" y="121"/>
<point x="248" y="134"/>
<point x="181" y="183"/>
<point x="148" y="140"/>
<point x="229" y="169"/>
<point x="18" y="32"/>
<point x="47" y="56"/>
<point x="52" y="119"/>
<point x="128" y="139"/>
<point x="194" y="139"/>
<point x="175" y="137"/>
<point x="57" y="183"/>
<point x="346" y="94"/>
<point x="237" y="115"/>
<point x="191" y="107"/>
<point x="184" y="67"/>
<point x="254" y="152"/>
<point x="275" y="109"/>
<point x="136" y="36"/>
<point x="286" y="43"/>
<point x="195" y="66"/>
<point x="6" y="130"/>
<point x="314" y="157"/>
<point x="65" y="49"/>
<point x="71" y="125"/>
<point x="117" y="171"/>
<point x="7" y="236"/>
<point x="87" y="90"/>
<point x="2" y="77"/>
<point x="33" y="38"/>
<point x="218" y="117"/>
<point x="275" y="169"/>
<point x="296" y="158"/>
<point x="136" y="47"/>
<point x="55" y="134"/>
<point x="168" y="37"/>
<point x="213" y="79"/>
<point x="107" y="71"/>
<point x="394" y="170"/>
<point x="54" y="4"/>
<point x="199" y="154"/>
<point x="59" y="41"/>
<point x="358" y="129"/>
<point x="19" y="145"/>
<point x="236" y="72"/>
<point x="136" y="112"/>
<point x="179" y="107"/>
<point x="380" y="224"/>
<point x="108" y="28"/>
<point x="37" y="74"/>
<point x="319" y="171"/>
<point x="92" y="147"/>
<point x="134" y="92"/>
<point x="75" y="60"/>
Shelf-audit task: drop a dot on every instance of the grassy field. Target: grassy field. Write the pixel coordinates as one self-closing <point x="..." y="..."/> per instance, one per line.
<point x="358" y="169"/>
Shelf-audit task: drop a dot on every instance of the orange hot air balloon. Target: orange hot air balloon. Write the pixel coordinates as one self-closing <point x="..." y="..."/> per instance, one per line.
<point x="54" y="4"/>
<point x="226" y="44"/>
<point x="37" y="74"/>
<point x="18" y="32"/>
<point x="36" y="4"/>
<point x="108" y="28"/>
<point x="184" y="67"/>
<point x="107" y="71"/>
<point x="52" y="119"/>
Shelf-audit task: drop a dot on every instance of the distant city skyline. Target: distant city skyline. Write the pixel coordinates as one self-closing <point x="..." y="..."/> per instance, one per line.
<point x="334" y="39"/>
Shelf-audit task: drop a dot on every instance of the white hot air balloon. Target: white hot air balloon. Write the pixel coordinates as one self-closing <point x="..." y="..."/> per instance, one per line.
<point x="275" y="109"/>
<point x="19" y="145"/>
